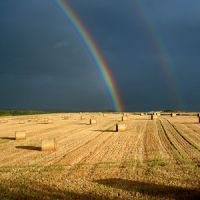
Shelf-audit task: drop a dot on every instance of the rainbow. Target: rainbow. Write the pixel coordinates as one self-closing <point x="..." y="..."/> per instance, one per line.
<point x="93" y="51"/>
<point x="165" y="60"/>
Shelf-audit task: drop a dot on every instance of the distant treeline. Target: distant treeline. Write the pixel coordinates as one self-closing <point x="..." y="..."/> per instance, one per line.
<point x="20" y="112"/>
<point x="176" y="111"/>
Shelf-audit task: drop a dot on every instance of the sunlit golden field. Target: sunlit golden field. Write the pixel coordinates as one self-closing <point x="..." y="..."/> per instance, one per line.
<point x="151" y="159"/>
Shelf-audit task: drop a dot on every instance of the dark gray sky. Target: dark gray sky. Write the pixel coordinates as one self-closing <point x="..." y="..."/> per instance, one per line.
<point x="152" y="48"/>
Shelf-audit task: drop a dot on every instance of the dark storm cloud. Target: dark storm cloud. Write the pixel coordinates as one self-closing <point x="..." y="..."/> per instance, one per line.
<point x="43" y="65"/>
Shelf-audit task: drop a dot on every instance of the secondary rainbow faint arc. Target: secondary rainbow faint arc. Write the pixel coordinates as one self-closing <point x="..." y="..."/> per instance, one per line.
<point x="165" y="62"/>
<point x="93" y="52"/>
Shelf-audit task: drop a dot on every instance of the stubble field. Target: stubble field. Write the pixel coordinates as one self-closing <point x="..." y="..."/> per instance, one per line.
<point x="152" y="159"/>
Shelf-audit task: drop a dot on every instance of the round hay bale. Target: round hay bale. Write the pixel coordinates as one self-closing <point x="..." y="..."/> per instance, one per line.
<point x="120" y="127"/>
<point x="141" y="114"/>
<point x="3" y="121"/>
<point x="48" y="145"/>
<point x="93" y="121"/>
<point x="46" y="121"/>
<point x="124" y="118"/>
<point x="65" y="117"/>
<point x="82" y="117"/>
<point x="173" y="115"/>
<point x="153" y="117"/>
<point x="20" y="135"/>
<point x="158" y="114"/>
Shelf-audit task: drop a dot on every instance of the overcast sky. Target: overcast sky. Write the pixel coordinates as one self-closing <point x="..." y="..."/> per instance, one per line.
<point x="152" y="48"/>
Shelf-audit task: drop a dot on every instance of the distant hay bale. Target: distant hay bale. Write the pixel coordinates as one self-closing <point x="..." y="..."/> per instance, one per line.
<point x="3" y="121"/>
<point x="48" y="145"/>
<point x="93" y="121"/>
<point x="158" y="114"/>
<point x="173" y="115"/>
<point x="141" y="114"/>
<point x="43" y="121"/>
<point x="82" y="117"/>
<point x="46" y="121"/>
<point x="20" y="135"/>
<point x="36" y="120"/>
<point x="120" y="127"/>
<point x="124" y="118"/>
<point x="153" y="117"/>
<point x="65" y="117"/>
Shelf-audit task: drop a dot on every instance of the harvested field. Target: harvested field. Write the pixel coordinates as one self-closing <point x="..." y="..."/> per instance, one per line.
<point x="151" y="159"/>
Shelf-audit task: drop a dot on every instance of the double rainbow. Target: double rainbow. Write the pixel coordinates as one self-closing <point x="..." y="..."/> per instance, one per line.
<point x="93" y="52"/>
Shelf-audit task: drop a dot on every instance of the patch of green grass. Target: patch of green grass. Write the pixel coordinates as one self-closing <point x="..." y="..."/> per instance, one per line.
<point x="6" y="169"/>
<point x="53" y="168"/>
<point x="156" y="162"/>
<point x="32" y="168"/>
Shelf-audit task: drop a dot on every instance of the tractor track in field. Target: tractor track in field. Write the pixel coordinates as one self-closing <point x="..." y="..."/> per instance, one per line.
<point x="162" y="149"/>
<point x="97" y="153"/>
<point x="152" y="144"/>
<point x="189" y="133"/>
<point x="169" y="145"/>
<point x="186" y="139"/>
<point x="181" y="144"/>
<point x="138" y="148"/>
<point x="191" y="127"/>
<point x="76" y="167"/>
<point x="59" y="159"/>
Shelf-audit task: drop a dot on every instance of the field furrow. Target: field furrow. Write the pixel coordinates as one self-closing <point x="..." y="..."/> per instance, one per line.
<point x="183" y="146"/>
<point x="167" y="143"/>
<point x="188" y="134"/>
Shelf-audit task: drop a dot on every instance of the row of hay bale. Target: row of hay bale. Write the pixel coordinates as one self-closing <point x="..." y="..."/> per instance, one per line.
<point x="50" y="144"/>
<point x="119" y="126"/>
<point x="40" y="121"/>
<point x="46" y="145"/>
<point x="156" y="115"/>
<point x="3" y="121"/>
<point x="125" y="118"/>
